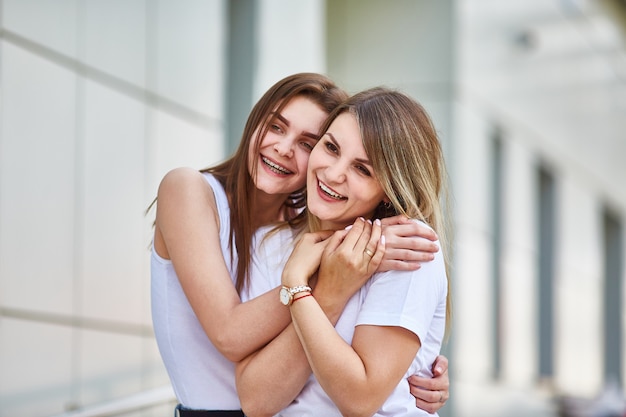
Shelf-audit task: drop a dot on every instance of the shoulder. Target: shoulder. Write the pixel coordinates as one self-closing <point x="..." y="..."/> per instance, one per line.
<point x="185" y="187"/>
<point x="183" y="176"/>
<point x="183" y="181"/>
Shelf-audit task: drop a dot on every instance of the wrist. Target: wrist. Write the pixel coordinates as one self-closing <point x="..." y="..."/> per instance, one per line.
<point x="287" y="294"/>
<point x="331" y="306"/>
<point x="293" y="280"/>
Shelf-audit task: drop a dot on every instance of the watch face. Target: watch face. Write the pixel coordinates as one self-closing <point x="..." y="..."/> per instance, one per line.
<point x="285" y="296"/>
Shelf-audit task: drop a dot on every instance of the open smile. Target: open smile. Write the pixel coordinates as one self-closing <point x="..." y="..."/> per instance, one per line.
<point x="330" y="192"/>
<point x="274" y="167"/>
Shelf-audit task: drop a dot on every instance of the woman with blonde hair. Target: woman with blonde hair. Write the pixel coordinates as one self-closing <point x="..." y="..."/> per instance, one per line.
<point x="347" y="354"/>
<point x="204" y="230"/>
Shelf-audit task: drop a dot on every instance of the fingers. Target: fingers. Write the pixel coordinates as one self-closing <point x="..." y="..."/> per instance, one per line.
<point x="409" y="244"/>
<point x="428" y="400"/>
<point x="440" y="366"/>
<point x="438" y="383"/>
<point x="320" y="236"/>
<point x="355" y="233"/>
<point x="364" y="239"/>
<point x="399" y="219"/>
<point x="377" y="242"/>
<point x="371" y="245"/>
<point x="410" y="228"/>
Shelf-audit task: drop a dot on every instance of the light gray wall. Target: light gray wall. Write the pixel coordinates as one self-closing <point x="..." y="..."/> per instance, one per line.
<point x="99" y="100"/>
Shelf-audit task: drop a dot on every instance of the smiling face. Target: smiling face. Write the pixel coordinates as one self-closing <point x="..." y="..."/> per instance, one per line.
<point x="281" y="163"/>
<point x="341" y="184"/>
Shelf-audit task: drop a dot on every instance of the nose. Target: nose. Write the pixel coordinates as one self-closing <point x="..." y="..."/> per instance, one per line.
<point x="284" y="147"/>
<point x="335" y="173"/>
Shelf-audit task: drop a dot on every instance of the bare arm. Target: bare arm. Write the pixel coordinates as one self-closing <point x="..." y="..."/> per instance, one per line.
<point x="371" y="369"/>
<point x="282" y="365"/>
<point x="187" y="232"/>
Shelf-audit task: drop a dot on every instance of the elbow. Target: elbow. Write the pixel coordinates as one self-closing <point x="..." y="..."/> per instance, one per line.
<point x="255" y="407"/>
<point x="255" y="402"/>
<point x="355" y="411"/>
<point x="358" y="408"/>
<point x="229" y="346"/>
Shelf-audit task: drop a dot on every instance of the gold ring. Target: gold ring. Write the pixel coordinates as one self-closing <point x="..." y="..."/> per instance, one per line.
<point x="368" y="252"/>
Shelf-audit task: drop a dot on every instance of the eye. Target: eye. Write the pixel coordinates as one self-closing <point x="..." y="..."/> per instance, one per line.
<point x="331" y="146"/>
<point x="276" y="128"/>
<point x="363" y="170"/>
<point x="308" y="145"/>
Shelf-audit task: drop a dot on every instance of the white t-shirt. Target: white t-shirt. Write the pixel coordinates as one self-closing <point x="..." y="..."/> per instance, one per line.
<point x="415" y="300"/>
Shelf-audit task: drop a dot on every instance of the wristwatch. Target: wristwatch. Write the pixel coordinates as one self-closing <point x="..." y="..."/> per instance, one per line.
<point x="286" y="293"/>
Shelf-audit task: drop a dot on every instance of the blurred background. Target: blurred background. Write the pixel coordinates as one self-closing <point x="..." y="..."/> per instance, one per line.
<point x="100" y="98"/>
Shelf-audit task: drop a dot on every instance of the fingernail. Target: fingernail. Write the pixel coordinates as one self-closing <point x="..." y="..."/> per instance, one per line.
<point x="369" y="221"/>
<point x="438" y="369"/>
<point x="348" y="227"/>
<point x="382" y="240"/>
<point x="377" y="222"/>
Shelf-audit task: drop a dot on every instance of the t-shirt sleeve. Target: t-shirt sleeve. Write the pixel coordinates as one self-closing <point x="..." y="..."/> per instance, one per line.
<point x="407" y="299"/>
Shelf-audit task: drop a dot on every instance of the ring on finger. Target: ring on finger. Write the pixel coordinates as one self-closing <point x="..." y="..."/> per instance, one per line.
<point x="368" y="252"/>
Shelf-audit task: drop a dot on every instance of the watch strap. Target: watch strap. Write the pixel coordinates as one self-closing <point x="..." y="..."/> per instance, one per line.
<point x="299" y="288"/>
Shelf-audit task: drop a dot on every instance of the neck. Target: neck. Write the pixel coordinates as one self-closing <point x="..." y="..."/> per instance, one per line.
<point x="267" y="208"/>
<point x="329" y="225"/>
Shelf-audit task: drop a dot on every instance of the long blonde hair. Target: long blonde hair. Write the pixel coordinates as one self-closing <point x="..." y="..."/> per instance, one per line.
<point x="402" y="144"/>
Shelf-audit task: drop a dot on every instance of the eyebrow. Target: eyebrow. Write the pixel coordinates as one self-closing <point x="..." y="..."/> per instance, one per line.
<point x="285" y="121"/>
<point x="363" y="161"/>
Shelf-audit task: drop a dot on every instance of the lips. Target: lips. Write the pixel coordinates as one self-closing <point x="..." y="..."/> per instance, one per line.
<point x="274" y="167"/>
<point x="330" y="192"/>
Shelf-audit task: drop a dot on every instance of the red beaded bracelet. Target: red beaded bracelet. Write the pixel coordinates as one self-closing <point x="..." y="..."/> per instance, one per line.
<point x="299" y="298"/>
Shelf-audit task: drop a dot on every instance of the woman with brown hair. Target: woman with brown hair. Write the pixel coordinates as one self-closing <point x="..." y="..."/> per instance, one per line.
<point x="204" y="230"/>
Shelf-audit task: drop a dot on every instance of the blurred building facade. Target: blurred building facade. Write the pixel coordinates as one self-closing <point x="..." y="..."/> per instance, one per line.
<point x="99" y="99"/>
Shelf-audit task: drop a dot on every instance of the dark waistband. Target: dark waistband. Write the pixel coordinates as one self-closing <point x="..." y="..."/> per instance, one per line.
<point x="185" y="412"/>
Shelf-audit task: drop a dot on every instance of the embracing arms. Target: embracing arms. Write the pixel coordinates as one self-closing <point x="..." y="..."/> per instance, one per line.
<point x="270" y="379"/>
<point x="187" y="232"/>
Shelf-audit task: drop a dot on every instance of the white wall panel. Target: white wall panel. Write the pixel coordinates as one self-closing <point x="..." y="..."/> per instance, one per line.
<point x="578" y="291"/>
<point x="109" y="365"/>
<point x="52" y="24"/>
<point x="113" y="176"/>
<point x="519" y="276"/>
<point x="113" y="38"/>
<point x="179" y="143"/>
<point x="290" y="39"/>
<point x="37" y="206"/>
<point x="189" y="54"/>
<point x="35" y="368"/>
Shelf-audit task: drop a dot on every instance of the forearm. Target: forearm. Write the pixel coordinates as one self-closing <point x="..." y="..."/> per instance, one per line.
<point x="246" y="327"/>
<point x="335" y="363"/>
<point x="282" y="366"/>
<point x="270" y="379"/>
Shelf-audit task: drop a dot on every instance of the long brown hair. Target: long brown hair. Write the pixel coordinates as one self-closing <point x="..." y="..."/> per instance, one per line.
<point x="234" y="174"/>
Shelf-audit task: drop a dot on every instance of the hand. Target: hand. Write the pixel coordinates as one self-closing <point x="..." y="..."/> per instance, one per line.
<point x="305" y="258"/>
<point x="432" y="393"/>
<point x="349" y="260"/>
<point x="409" y="243"/>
